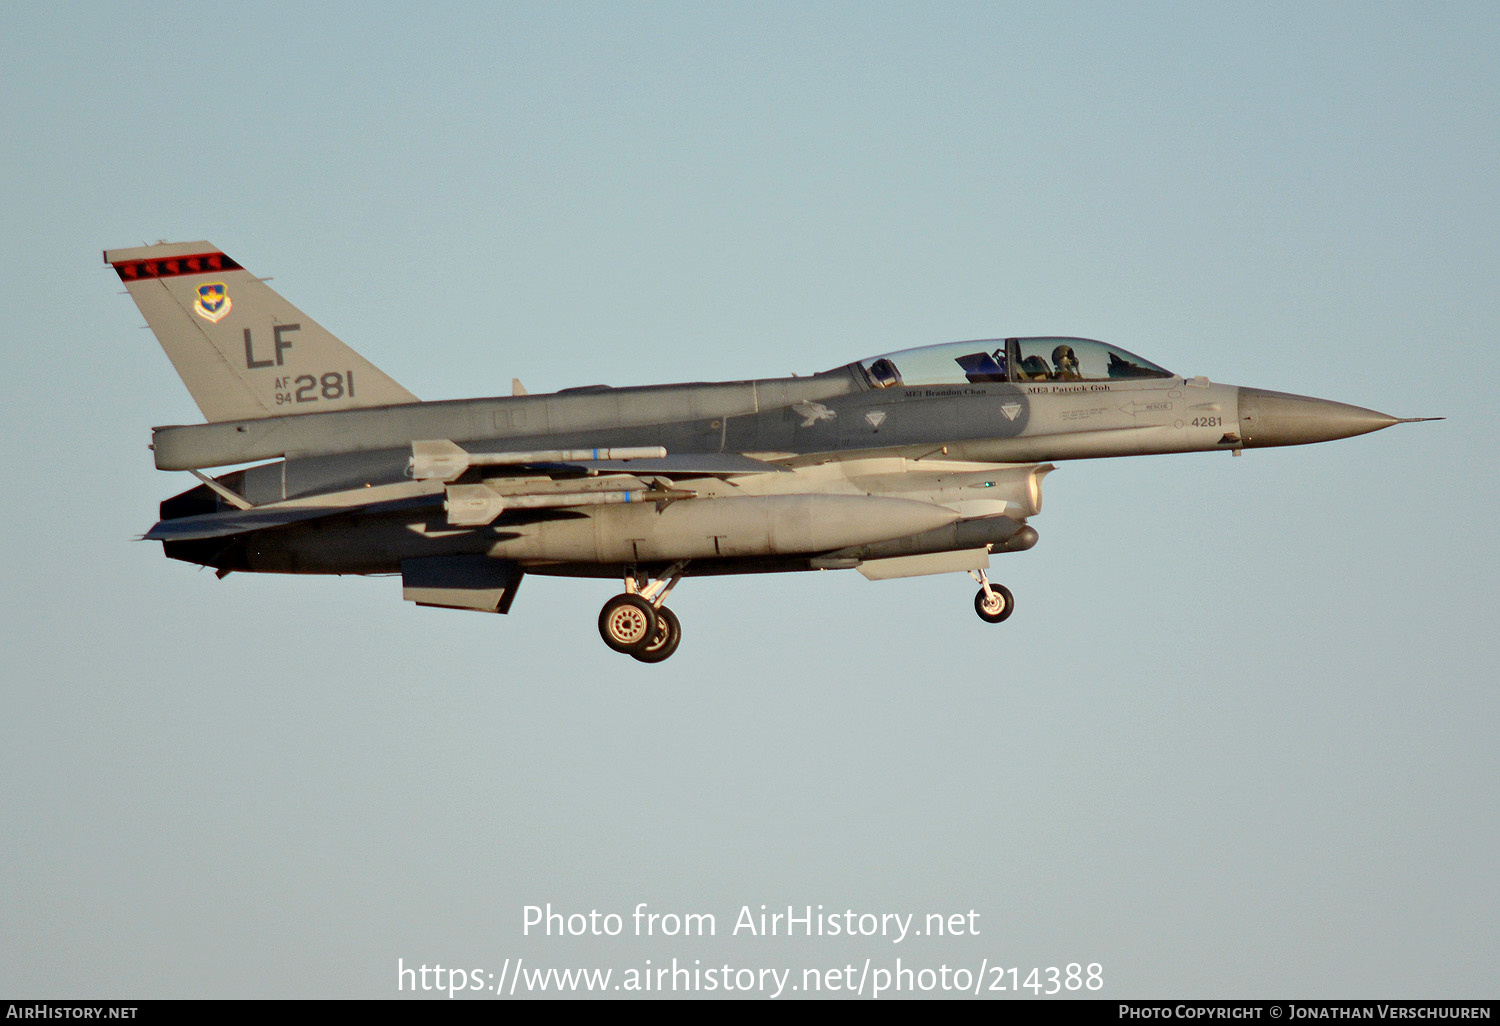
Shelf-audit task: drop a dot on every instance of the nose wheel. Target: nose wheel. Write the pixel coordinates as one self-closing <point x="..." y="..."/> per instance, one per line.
<point x="994" y="603"/>
<point x="637" y="623"/>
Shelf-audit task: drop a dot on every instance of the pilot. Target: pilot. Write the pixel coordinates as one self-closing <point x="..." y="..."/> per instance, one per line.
<point x="1066" y="363"/>
<point x="1034" y="368"/>
<point x="883" y="373"/>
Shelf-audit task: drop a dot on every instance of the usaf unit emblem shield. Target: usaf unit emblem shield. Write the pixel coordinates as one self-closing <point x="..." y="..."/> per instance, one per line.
<point x="213" y="302"/>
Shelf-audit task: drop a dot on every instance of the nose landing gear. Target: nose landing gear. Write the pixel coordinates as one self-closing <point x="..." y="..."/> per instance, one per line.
<point x="994" y="603"/>
<point x="637" y="623"/>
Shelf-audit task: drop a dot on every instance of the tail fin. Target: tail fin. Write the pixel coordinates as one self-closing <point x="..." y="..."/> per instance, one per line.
<point x="242" y="350"/>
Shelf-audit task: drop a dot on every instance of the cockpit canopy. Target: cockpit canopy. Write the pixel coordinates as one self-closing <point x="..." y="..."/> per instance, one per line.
<point x="1009" y="359"/>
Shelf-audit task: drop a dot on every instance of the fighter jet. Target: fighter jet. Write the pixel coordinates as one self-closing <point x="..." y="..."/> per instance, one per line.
<point x="925" y="461"/>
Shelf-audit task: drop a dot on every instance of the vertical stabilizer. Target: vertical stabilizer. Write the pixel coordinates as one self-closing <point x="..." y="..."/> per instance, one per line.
<point x="242" y="350"/>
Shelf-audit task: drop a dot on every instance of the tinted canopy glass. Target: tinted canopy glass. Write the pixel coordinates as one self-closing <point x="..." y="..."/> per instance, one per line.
<point x="1016" y="359"/>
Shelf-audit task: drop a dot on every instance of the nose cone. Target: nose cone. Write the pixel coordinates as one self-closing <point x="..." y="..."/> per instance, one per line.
<point x="1276" y="418"/>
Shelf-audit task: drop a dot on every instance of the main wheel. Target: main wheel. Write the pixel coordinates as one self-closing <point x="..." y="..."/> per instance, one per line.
<point x="996" y="605"/>
<point x="668" y="636"/>
<point x="627" y="622"/>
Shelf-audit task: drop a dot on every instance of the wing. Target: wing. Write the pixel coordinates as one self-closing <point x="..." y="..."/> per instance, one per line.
<point x="620" y="475"/>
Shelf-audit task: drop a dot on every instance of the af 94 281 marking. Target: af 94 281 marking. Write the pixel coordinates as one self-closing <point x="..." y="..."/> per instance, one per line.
<point x="309" y="388"/>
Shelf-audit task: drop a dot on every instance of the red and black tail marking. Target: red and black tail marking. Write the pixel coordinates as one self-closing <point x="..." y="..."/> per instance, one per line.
<point x="173" y="267"/>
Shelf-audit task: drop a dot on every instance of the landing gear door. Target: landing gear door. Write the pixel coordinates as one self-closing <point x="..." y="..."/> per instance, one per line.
<point x="461" y="582"/>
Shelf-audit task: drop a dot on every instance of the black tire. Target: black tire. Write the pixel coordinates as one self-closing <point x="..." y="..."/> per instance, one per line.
<point x="668" y="636"/>
<point x="627" y="622"/>
<point x="986" y="609"/>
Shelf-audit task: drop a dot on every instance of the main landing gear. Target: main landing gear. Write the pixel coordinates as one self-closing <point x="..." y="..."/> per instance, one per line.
<point x="994" y="603"/>
<point x="637" y="623"/>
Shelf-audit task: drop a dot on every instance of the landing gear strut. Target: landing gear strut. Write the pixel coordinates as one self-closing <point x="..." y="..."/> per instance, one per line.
<point x="637" y="623"/>
<point x="994" y="603"/>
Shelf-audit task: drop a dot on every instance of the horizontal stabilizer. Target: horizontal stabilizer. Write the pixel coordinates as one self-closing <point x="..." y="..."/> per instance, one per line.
<point x="261" y="518"/>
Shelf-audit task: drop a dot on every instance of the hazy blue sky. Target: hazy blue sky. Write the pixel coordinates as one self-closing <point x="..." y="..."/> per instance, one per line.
<point x="1238" y="739"/>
